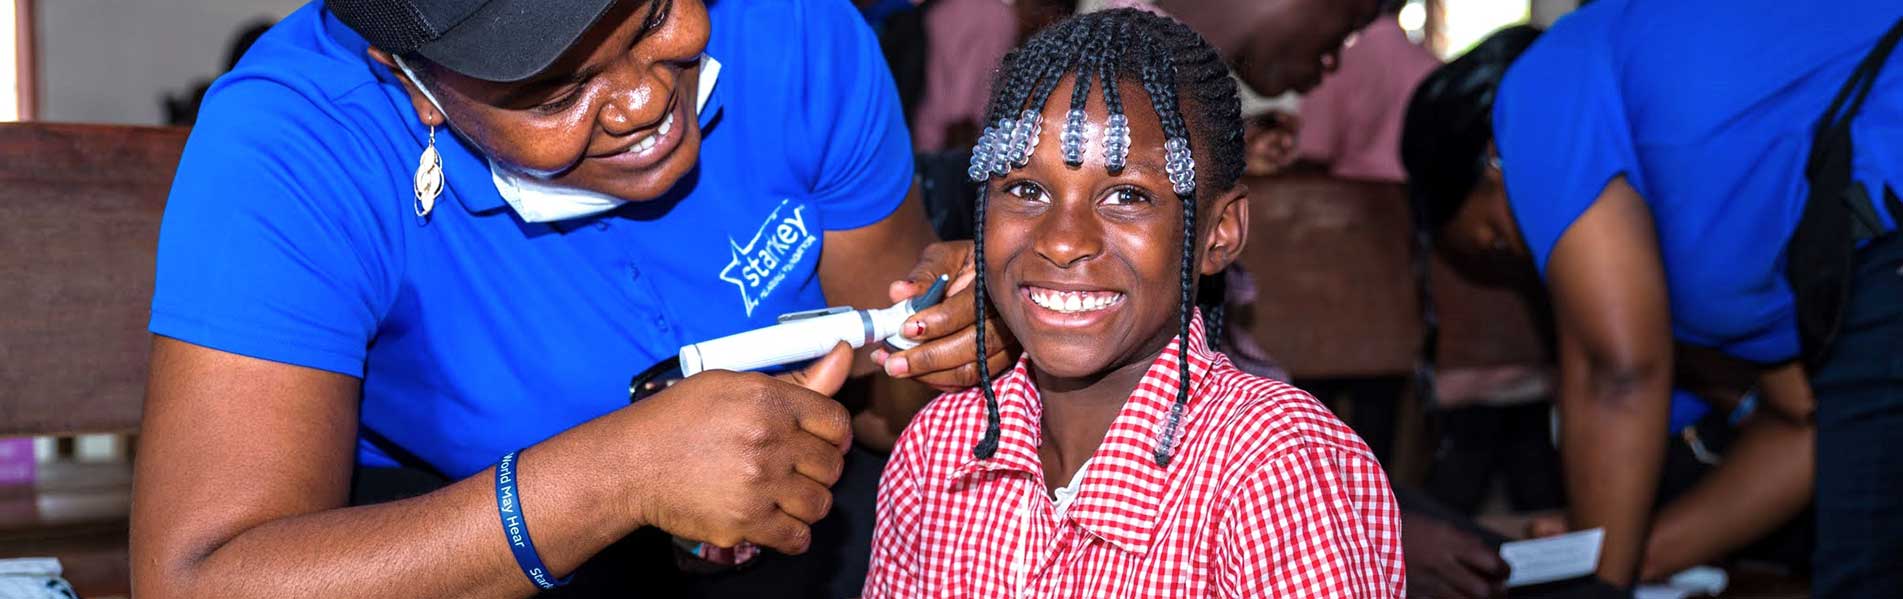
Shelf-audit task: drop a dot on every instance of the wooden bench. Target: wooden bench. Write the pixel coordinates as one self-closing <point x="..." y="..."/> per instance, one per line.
<point x="1337" y="296"/>
<point x="79" y="221"/>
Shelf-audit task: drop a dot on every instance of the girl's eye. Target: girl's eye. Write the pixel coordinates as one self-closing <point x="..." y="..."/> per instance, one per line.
<point x="1124" y="196"/>
<point x="1026" y="190"/>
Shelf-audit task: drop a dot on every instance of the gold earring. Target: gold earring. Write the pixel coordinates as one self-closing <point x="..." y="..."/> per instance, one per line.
<point x="428" y="182"/>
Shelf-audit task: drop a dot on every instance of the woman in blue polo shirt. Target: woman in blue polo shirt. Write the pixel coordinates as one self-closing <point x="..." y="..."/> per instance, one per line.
<point x="1669" y="169"/>
<point x="429" y="233"/>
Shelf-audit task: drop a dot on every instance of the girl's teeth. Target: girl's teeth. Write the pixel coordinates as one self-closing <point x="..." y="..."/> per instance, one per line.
<point x="1070" y="301"/>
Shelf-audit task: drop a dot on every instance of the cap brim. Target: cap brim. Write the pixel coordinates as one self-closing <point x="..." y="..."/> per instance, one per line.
<point x="511" y="40"/>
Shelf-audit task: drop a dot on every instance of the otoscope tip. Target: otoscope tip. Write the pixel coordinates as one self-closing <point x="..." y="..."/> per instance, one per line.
<point x="933" y="295"/>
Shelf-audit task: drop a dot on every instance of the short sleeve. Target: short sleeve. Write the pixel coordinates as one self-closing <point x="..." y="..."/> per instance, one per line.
<point x="850" y="137"/>
<point x="1313" y="522"/>
<point x="1560" y="124"/>
<point x="268" y="247"/>
<point x="895" y="547"/>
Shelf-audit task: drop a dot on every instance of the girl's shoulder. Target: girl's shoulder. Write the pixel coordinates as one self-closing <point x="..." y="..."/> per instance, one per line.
<point x="1257" y="420"/>
<point x="946" y="421"/>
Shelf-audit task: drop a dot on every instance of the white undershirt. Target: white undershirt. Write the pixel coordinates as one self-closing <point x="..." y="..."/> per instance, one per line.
<point x="1062" y="496"/>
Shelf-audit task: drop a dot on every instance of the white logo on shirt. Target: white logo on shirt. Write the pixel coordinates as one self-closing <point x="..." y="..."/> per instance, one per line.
<point x="759" y="266"/>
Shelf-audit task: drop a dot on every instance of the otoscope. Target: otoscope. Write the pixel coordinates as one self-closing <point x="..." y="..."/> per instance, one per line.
<point x="799" y="336"/>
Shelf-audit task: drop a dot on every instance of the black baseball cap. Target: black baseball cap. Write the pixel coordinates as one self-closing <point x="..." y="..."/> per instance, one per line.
<point x="492" y="40"/>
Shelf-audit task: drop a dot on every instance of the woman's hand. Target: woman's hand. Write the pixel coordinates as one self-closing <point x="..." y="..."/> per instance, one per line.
<point x="948" y="358"/>
<point x="727" y="457"/>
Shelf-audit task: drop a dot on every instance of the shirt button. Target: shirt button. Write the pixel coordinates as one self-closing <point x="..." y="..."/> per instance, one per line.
<point x="601" y="225"/>
<point x="661" y="323"/>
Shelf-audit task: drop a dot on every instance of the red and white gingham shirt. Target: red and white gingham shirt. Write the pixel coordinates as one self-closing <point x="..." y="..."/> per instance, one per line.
<point x="1267" y="495"/>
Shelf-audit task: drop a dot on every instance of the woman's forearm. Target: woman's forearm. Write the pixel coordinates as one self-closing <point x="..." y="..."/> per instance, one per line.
<point x="1611" y="442"/>
<point x="449" y="543"/>
<point x="438" y="544"/>
<point x="1765" y="480"/>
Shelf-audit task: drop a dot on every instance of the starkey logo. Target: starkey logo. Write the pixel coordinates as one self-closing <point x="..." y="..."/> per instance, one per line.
<point x="759" y="266"/>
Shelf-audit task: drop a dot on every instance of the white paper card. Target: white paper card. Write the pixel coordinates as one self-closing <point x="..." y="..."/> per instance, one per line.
<point x="32" y="578"/>
<point x="1536" y="561"/>
<point x="1699" y="581"/>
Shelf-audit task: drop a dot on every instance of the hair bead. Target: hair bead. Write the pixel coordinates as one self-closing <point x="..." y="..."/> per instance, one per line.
<point x="1030" y="125"/>
<point x="1180" y="165"/>
<point x="1073" y="137"/>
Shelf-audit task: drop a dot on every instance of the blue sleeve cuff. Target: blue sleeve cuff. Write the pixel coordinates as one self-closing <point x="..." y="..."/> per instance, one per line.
<point x="256" y="342"/>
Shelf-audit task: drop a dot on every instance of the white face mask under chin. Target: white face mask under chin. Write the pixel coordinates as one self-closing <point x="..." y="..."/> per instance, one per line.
<point x="534" y="198"/>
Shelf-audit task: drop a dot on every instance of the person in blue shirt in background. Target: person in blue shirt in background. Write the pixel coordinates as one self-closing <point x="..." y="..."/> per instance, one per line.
<point x="416" y="236"/>
<point x="1668" y="169"/>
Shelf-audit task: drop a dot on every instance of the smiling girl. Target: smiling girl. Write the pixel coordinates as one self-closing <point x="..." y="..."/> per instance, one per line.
<point x="1118" y="459"/>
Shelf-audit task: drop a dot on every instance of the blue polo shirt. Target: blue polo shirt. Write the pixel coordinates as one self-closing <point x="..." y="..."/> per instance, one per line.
<point x="289" y="234"/>
<point x="1706" y="108"/>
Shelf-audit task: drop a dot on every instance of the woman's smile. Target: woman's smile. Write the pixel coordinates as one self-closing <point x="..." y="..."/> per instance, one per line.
<point x="654" y="144"/>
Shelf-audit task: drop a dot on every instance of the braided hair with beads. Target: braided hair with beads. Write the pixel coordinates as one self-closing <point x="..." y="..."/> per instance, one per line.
<point x="1195" y="101"/>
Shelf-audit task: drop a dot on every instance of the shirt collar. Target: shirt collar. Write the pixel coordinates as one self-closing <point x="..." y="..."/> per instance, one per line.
<point x="1121" y="495"/>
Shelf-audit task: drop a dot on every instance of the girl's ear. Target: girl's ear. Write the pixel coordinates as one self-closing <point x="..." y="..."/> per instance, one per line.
<point x="1223" y="243"/>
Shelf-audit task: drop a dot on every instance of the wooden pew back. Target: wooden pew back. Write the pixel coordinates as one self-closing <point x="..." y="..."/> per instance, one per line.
<point x="79" y="226"/>
<point x="79" y="220"/>
<point x="1337" y="297"/>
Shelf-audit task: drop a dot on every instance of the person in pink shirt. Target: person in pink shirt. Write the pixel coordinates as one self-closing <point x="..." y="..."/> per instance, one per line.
<point x="962" y="39"/>
<point x="1352" y="121"/>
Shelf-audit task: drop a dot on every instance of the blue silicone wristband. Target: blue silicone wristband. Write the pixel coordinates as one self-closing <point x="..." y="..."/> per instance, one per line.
<point x="516" y="527"/>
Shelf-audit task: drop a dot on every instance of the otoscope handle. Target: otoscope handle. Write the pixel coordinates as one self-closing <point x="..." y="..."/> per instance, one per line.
<point x="792" y="341"/>
<point x="804" y="336"/>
